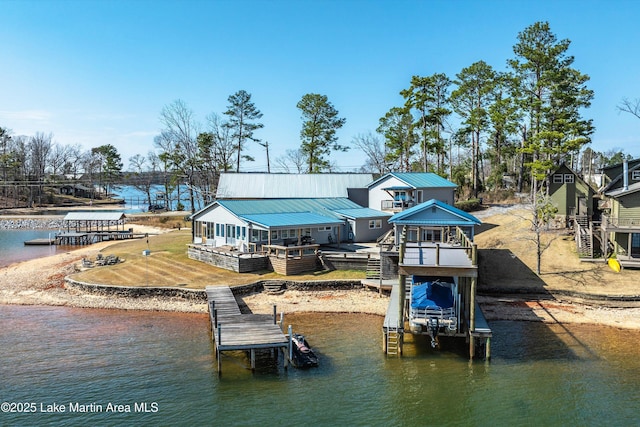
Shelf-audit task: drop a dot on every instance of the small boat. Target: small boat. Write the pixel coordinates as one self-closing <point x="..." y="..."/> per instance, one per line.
<point x="303" y="356"/>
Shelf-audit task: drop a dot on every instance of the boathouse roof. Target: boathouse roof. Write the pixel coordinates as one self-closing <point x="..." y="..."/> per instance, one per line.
<point x="434" y="212"/>
<point x="94" y="216"/>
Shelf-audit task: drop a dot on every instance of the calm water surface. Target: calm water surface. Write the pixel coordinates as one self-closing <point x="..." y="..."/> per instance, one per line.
<point x="13" y="249"/>
<point x="539" y="375"/>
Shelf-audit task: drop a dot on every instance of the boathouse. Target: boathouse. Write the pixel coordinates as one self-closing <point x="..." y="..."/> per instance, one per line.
<point x="436" y="262"/>
<point x="83" y="228"/>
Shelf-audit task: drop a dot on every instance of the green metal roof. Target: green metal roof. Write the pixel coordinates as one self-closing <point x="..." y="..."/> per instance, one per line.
<point x="297" y="219"/>
<point x="419" y="180"/>
<point x="281" y="206"/>
<point x="455" y="216"/>
<point x="361" y="213"/>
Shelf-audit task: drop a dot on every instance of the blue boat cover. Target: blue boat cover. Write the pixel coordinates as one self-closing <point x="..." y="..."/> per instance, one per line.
<point x="431" y="295"/>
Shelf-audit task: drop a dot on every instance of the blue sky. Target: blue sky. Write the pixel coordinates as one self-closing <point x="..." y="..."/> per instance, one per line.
<point x="100" y="72"/>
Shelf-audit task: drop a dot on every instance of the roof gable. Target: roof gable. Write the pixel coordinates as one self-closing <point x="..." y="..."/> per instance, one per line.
<point x="434" y="212"/>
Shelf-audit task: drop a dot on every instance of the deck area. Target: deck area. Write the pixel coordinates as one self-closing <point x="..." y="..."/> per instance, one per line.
<point x="233" y="331"/>
<point x="442" y="259"/>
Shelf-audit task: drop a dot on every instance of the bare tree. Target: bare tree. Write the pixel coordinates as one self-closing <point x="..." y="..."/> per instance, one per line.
<point x="631" y="107"/>
<point x="375" y="150"/>
<point x="58" y="158"/>
<point x="542" y="212"/>
<point x="292" y="158"/>
<point x="181" y="129"/>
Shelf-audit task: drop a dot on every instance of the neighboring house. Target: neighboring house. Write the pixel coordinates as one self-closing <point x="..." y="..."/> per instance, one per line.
<point x="433" y="221"/>
<point x="570" y="194"/>
<point x="396" y="191"/>
<point x="307" y="186"/>
<point x="76" y="190"/>
<point x="287" y="221"/>
<point x="621" y="212"/>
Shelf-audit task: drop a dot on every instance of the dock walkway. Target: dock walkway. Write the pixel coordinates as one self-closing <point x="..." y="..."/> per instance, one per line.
<point x="233" y="331"/>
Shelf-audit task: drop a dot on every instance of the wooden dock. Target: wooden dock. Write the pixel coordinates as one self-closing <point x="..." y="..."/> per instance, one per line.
<point x="233" y="331"/>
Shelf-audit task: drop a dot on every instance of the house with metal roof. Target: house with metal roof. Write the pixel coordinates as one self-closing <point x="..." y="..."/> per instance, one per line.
<point x="289" y="221"/>
<point x="397" y="191"/>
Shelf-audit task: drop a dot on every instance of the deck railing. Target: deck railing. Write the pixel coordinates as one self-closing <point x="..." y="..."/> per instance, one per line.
<point x="615" y="222"/>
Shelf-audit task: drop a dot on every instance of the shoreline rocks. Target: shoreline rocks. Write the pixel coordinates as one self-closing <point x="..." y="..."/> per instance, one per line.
<point x="31" y="224"/>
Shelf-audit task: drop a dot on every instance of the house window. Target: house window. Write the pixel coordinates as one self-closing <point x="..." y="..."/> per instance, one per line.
<point x="635" y="175"/>
<point x="306" y="232"/>
<point x="274" y="234"/>
<point x="375" y="223"/>
<point x="568" y="178"/>
<point x="255" y="235"/>
<point x="284" y="234"/>
<point x="324" y="228"/>
<point x="557" y="178"/>
<point x="220" y="230"/>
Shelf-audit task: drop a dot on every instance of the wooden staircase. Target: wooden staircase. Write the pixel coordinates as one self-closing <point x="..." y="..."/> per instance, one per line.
<point x="373" y="268"/>
<point x="584" y="237"/>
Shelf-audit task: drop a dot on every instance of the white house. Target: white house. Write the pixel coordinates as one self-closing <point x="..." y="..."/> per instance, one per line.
<point x="397" y="191"/>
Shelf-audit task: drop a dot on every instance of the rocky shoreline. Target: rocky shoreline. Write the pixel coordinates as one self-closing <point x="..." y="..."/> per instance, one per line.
<point x="31" y="224"/>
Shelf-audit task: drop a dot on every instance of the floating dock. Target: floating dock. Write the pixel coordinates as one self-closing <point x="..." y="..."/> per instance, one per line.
<point x="232" y="331"/>
<point x="40" y="242"/>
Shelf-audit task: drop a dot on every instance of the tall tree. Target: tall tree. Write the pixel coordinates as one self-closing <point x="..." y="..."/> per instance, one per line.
<point x="552" y="95"/>
<point x="471" y="101"/>
<point x="429" y="98"/>
<point x="242" y="116"/>
<point x="110" y="165"/>
<point x="400" y="138"/>
<point x="318" y="134"/>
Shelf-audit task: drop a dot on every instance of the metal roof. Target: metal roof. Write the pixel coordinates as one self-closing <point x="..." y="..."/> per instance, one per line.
<point x="361" y="213"/>
<point x="281" y="206"/>
<point x="279" y="185"/>
<point x="295" y="212"/>
<point x="94" y="216"/>
<point x="418" y="180"/>
<point x="298" y="219"/>
<point x="405" y="217"/>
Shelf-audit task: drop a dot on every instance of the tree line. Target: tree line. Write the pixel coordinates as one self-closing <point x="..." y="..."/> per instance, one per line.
<point x="481" y="128"/>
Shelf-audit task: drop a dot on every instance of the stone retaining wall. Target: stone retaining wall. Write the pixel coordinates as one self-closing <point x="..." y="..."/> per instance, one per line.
<point x="200" y="294"/>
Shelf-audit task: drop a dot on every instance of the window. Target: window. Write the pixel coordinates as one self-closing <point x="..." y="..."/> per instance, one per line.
<point x="635" y="175"/>
<point x="284" y="234"/>
<point x="568" y="178"/>
<point x="274" y="234"/>
<point x="306" y="232"/>
<point x="375" y="223"/>
<point x="557" y="178"/>
<point x="324" y="228"/>
<point x="255" y="235"/>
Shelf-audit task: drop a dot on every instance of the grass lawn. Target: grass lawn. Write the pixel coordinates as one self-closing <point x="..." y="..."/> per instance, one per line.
<point x="168" y="265"/>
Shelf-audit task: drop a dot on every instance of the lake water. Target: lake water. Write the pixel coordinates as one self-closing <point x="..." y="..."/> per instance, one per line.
<point x="161" y="366"/>
<point x="13" y="249"/>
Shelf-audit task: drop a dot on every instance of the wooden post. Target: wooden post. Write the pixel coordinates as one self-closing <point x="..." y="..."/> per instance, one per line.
<point x="290" y="330"/>
<point x="253" y="359"/>
<point x="275" y="316"/>
<point x="437" y="254"/>
<point x="472" y="317"/>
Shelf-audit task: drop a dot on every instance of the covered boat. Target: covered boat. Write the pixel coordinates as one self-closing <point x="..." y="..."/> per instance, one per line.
<point x="434" y="307"/>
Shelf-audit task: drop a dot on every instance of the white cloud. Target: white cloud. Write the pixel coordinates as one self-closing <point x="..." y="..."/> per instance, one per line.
<point x="26" y="115"/>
